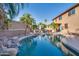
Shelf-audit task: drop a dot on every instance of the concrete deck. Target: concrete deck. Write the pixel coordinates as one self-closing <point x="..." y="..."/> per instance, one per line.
<point x="72" y="41"/>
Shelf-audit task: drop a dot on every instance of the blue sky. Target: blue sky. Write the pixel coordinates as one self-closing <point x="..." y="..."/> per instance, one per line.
<point x="41" y="11"/>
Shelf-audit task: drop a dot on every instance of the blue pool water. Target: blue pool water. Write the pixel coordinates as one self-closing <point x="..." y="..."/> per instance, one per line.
<point x="38" y="46"/>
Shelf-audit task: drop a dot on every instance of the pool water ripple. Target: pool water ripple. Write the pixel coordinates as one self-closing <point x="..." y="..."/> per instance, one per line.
<point x="38" y="46"/>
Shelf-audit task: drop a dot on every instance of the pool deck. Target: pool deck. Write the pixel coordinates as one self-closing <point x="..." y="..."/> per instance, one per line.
<point x="72" y="42"/>
<point x="4" y="50"/>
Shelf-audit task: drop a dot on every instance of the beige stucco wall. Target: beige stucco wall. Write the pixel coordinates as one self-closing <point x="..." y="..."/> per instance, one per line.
<point x="72" y="21"/>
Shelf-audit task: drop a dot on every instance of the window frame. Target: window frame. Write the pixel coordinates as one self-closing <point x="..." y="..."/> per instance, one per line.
<point x="71" y="12"/>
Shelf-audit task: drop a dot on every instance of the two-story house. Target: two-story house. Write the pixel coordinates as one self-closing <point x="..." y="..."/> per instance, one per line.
<point x="68" y="21"/>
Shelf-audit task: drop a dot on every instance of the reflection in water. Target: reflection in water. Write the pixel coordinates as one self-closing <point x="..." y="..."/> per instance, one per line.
<point x="56" y="39"/>
<point x="38" y="46"/>
<point x="27" y="46"/>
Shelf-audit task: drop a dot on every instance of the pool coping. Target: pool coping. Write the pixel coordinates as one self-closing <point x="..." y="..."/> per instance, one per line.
<point x="70" y="47"/>
<point x="24" y="37"/>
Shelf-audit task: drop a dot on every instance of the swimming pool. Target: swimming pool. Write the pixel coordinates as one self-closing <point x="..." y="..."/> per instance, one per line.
<point x="38" y="46"/>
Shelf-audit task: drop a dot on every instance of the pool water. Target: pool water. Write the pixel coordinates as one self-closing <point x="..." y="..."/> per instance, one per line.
<point x="38" y="46"/>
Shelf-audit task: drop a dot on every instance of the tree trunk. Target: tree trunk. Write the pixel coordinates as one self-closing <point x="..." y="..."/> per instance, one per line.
<point x="2" y="17"/>
<point x="26" y="27"/>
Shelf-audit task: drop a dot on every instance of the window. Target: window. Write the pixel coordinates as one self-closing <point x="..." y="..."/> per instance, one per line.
<point x="60" y="17"/>
<point x="71" y="12"/>
<point x="66" y="26"/>
<point x="60" y="27"/>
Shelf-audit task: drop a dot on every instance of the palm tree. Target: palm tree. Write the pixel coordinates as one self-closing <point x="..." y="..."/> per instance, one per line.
<point x="2" y="17"/>
<point x="7" y="23"/>
<point x="28" y="21"/>
<point x="45" y="20"/>
<point x="55" y="26"/>
<point x="51" y="25"/>
<point x="34" y="27"/>
<point x="42" y="26"/>
<point x="10" y="10"/>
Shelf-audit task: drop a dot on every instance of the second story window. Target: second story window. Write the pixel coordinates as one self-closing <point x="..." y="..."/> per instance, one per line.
<point x="60" y="17"/>
<point x="71" y="12"/>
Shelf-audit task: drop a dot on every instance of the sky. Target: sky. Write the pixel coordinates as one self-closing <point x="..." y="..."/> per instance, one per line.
<point x="42" y="11"/>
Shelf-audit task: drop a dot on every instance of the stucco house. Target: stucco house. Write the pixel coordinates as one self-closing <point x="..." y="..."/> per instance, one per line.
<point x="68" y="21"/>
